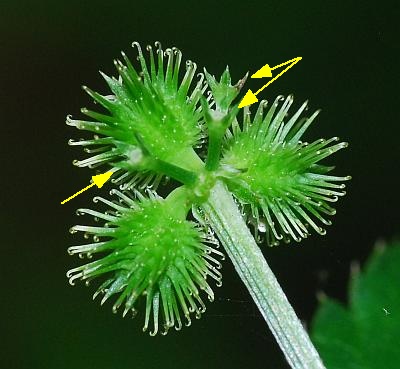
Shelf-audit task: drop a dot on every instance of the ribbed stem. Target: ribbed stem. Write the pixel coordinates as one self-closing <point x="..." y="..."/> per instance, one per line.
<point x="225" y="218"/>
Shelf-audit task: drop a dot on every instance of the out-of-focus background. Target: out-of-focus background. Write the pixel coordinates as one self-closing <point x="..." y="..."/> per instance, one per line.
<point x="48" y="49"/>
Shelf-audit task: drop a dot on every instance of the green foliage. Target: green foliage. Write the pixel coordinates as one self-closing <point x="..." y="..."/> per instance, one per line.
<point x="366" y="335"/>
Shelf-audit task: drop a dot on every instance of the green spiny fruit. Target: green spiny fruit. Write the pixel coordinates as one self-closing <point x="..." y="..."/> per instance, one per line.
<point x="152" y="250"/>
<point x="280" y="175"/>
<point x="152" y="111"/>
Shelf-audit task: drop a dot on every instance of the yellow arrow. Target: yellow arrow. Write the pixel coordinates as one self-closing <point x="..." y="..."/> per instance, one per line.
<point x="265" y="71"/>
<point x="98" y="180"/>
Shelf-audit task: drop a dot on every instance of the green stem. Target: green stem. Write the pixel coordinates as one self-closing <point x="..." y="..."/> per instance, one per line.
<point x="225" y="218"/>
<point x="217" y="122"/>
<point x="182" y="175"/>
<point x="214" y="151"/>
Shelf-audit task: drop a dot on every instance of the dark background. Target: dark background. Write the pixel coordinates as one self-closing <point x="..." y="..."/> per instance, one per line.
<point x="48" y="49"/>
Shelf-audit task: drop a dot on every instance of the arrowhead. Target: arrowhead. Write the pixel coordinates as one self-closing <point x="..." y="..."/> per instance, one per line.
<point x="265" y="71"/>
<point x="248" y="99"/>
<point x="100" y="179"/>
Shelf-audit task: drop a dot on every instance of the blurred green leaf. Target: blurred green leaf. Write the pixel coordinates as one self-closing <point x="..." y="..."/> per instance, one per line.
<point x="366" y="334"/>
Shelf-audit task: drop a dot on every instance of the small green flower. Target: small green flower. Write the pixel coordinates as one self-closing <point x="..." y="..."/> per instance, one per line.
<point x="223" y="92"/>
<point x="149" y="248"/>
<point x="278" y="174"/>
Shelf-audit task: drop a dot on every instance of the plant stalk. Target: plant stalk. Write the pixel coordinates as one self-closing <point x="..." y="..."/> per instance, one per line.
<point x="223" y="214"/>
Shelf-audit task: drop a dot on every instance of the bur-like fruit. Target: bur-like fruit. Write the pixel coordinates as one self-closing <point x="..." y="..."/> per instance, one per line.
<point x="154" y="112"/>
<point x="280" y="181"/>
<point x="147" y="248"/>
